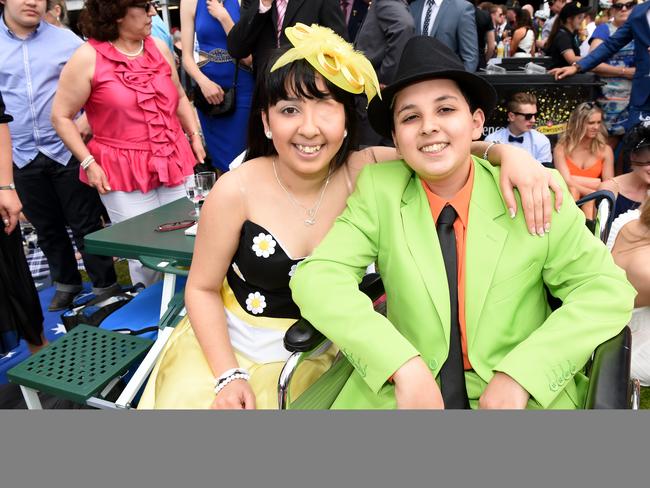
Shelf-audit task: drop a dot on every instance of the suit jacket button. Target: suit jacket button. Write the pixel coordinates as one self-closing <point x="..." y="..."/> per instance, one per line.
<point x="433" y="364"/>
<point x="553" y="386"/>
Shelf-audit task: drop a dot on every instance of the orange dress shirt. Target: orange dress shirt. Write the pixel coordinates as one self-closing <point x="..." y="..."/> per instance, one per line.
<point x="460" y="202"/>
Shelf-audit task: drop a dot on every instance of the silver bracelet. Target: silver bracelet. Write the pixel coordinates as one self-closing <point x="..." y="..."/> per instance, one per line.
<point x="87" y="162"/>
<point x="485" y="153"/>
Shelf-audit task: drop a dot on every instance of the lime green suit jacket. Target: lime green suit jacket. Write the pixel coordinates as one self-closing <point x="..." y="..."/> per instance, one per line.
<point x="510" y="327"/>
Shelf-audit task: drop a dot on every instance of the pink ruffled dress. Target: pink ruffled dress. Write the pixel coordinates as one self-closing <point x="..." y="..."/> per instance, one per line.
<point x="137" y="137"/>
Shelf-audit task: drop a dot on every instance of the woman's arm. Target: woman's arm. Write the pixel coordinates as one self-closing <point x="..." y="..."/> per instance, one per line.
<point x="222" y="216"/>
<point x="607" y="70"/>
<point x="211" y="91"/>
<point x="569" y="56"/>
<point x="219" y="12"/>
<point x="75" y="86"/>
<point x="608" y="164"/>
<point x="184" y="111"/>
<point x="10" y="206"/>
<point x="516" y="39"/>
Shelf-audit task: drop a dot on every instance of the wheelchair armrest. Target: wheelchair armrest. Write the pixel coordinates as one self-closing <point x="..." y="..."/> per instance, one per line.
<point x="609" y="377"/>
<point x="303" y="337"/>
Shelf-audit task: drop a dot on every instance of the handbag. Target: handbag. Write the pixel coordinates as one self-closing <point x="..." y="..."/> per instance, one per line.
<point x="227" y="105"/>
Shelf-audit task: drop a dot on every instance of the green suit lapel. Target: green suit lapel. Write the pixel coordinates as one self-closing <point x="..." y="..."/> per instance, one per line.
<point x="485" y="241"/>
<point x="422" y="241"/>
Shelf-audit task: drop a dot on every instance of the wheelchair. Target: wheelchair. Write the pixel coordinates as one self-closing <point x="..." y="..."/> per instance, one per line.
<point x="608" y="370"/>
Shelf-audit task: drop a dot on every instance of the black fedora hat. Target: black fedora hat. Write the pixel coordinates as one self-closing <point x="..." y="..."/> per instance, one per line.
<point x="426" y="58"/>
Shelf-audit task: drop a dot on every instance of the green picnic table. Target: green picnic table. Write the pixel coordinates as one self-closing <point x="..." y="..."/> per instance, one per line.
<point x="135" y="238"/>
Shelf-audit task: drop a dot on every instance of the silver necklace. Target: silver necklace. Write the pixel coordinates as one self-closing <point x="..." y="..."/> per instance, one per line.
<point x="131" y="55"/>
<point x="311" y="212"/>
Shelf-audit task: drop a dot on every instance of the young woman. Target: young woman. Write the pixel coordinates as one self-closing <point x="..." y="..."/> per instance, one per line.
<point x="563" y="44"/>
<point x="631" y="189"/>
<point x="523" y="38"/>
<point x="582" y="155"/>
<point x="262" y="219"/>
<point x="212" y="20"/>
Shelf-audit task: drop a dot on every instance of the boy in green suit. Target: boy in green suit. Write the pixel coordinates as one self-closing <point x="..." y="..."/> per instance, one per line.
<point x="465" y="282"/>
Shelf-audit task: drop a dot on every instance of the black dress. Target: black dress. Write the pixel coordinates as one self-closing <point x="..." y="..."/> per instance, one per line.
<point x="20" y="308"/>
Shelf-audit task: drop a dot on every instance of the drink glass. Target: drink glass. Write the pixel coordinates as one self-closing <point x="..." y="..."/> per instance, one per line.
<point x="197" y="188"/>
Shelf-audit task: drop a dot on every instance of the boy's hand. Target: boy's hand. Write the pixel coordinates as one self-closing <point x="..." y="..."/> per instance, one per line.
<point x="416" y="388"/>
<point x="502" y="392"/>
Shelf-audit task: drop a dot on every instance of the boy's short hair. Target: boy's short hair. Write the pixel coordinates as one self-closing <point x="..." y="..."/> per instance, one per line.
<point x="519" y="99"/>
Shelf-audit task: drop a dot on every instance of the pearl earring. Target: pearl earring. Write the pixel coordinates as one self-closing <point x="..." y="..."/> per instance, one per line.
<point x="268" y="134"/>
<point x="345" y="133"/>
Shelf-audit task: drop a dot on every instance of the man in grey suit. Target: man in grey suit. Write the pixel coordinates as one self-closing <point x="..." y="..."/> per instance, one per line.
<point x="386" y="30"/>
<point x="453" y="23"/>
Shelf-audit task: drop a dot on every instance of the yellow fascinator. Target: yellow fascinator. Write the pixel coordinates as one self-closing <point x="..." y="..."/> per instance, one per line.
<point x="332" y="57"/>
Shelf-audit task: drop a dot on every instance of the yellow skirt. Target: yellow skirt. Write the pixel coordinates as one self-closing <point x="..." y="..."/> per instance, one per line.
<point x="182" y="378"/>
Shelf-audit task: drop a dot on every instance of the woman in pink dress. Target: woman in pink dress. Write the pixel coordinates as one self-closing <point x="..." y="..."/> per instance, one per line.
<point x="146" y="138"/>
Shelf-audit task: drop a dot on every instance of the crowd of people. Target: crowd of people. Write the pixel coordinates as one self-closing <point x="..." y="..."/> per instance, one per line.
<point x="98" y="128"/>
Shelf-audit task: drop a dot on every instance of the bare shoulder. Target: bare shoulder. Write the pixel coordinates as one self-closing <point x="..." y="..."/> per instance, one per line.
<point x="84" y="54"/>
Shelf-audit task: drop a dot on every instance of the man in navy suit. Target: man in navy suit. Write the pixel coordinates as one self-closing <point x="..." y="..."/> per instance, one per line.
<point x="453" y="23"/>
<point x="637" y="28"/>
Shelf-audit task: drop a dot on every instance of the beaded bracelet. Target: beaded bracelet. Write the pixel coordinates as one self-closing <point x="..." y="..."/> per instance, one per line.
<point x="87" y="162"/>
<point x="223" y="382"/>
<point x="485" y="153"/>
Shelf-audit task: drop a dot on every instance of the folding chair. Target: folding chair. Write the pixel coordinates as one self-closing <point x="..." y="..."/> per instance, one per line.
<point x="86" y="364"/>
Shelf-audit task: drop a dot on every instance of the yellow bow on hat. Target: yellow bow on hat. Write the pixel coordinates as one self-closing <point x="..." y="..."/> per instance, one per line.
<point x="332" y="57"/>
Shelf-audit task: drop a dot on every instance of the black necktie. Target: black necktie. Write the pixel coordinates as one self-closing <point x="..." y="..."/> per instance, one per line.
<point x="427" y="18"/>
<point x="519" y="139"/>
<point x="452" y="374"/>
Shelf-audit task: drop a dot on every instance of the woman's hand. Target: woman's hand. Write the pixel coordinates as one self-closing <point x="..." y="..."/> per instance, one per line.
<point x="237" y="395"/>
<point x="197" y="147"/>
<point x="217" y="10"/>
<point x="519" y="170"/>
<point x="212" y="92"/>
<point x="10" y="208"/>
<point x="416" y="388"/>
<point x="97" y="178"/>
<point x="561" y="73"/>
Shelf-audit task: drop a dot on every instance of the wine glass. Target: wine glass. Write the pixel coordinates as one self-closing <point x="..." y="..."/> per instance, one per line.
<point x="197" y="188"/>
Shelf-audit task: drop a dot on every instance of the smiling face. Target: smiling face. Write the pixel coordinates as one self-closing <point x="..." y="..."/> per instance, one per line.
<point x="136" y="24"/>
<point x="22" y="16"/>
<point x="307" y="132"/>
<point x="433" y="131"/>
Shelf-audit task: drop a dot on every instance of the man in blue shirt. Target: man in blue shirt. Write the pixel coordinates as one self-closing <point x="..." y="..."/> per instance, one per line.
<point x="32" y="55"/>
<point x="522" y="111"/>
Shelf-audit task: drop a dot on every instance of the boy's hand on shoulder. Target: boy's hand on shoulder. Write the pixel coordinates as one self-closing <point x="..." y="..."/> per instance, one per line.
<point x="416" y="388"/>
<point x="503" y="392"/>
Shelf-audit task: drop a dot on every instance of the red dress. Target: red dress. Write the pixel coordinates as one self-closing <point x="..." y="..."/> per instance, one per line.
<point x="137" y="137"/>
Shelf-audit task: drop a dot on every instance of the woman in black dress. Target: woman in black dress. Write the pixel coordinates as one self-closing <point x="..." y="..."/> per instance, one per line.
<point x="20" y="310"/>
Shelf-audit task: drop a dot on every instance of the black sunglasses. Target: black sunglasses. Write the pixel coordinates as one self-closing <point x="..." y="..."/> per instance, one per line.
<point x="147" y="5"/>
<point x="526" y="116"/>
<point x="627" y="5"/>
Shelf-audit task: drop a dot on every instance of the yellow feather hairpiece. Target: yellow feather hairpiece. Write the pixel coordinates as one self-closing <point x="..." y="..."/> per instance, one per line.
<point x="332" y="57"/>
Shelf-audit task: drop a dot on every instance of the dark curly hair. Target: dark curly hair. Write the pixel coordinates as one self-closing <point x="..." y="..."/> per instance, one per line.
<point x="98" y="19"/>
